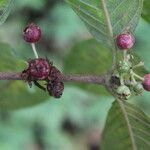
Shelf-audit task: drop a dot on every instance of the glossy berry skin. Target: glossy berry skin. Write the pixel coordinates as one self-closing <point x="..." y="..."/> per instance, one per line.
<point x="146" y="82"/>
<point x="55" y="89"/>
<point x="125" y="41"/>
<point x="32" y="33"/>
<point x="39" y="68"/>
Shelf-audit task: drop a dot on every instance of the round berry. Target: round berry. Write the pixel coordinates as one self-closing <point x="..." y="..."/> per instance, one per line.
<point x="39" y="68"/>
<point x="146" y="82"/>
<point x="125" y="41"/>
<point x="32" y="33"/>
<point x="55" y="89"/>
<point x="123" y="92"/>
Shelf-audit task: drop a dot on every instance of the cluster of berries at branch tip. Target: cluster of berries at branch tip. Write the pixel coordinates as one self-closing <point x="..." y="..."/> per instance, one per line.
<point x="129" y="80"/>
<point x="41" y="68"/>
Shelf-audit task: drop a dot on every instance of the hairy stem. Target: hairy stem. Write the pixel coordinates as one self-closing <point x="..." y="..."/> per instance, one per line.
<point x="66" y="78"/>
<point x="85" y="79"/>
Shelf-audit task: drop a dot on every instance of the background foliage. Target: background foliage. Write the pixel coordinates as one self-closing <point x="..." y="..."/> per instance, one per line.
<point x="76" y="120"/>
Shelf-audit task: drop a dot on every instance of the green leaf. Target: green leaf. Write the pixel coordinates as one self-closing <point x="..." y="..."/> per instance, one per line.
<point x="8" y="60"/>
<point x="105" y="19"/>
<point x="144" y="102"/>
<point x="5" y="7"/>
<point x="146" y="10"/>
<point x="16" y="94"/>
<point x="127" y="128"/>
<point x="88" y="57"/>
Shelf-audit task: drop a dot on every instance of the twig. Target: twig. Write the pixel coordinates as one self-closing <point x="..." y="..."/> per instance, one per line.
<point x="85" y="79"/>
<point x="66" y="78"/>
<point x="10" y="76"/>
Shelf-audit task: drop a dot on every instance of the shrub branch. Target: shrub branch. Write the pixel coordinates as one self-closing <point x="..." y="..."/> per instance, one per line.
<point x="101" y="79"/>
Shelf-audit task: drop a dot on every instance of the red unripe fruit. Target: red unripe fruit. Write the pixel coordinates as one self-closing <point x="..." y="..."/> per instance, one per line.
<point x="146" y="82"/>
<point x="32" y="33"/>
<point x="125" y="41"/>
<point x="39" y="68"/>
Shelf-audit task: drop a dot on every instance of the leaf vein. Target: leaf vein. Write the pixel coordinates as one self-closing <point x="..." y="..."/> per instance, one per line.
<point x="146" y="124"/>
<point x="144" y="140"/>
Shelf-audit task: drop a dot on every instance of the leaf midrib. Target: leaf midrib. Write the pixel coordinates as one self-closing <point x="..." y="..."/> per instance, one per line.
<point x="125" y="114"/>
<point x="107" y="19"/>
<point x="110" y="32"/>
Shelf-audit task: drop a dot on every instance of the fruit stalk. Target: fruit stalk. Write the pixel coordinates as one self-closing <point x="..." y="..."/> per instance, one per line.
<point x="34" y="50"/>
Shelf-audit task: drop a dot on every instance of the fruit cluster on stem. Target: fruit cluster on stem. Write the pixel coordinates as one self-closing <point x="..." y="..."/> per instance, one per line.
<point x="41" y="68"/>
<point x="125" y="69"/>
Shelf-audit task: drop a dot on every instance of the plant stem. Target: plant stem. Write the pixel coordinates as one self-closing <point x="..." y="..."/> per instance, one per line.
<point x="34" y="50"/>
<point x="114" y="61"/>
<point x="124" y="55"/>
<point x="121" y="80"/>
<point x="138" y="65"/>
<point x="93" y="79"/>
<point x="85" y="79"/>
<point x="137" y="76"/>
<point x="132" y="76"/>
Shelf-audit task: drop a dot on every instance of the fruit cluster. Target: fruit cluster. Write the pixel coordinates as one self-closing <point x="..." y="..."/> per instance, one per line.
<point x="41" y="68"/>
<point x="125" y="70"/>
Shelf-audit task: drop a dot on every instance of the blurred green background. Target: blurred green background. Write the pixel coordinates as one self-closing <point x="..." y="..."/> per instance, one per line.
<point x="29" y="118"/>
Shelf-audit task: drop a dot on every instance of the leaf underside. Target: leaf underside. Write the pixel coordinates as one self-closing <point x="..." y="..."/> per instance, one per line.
<point x="122" y="14"/>
<point x="127" y="128"/>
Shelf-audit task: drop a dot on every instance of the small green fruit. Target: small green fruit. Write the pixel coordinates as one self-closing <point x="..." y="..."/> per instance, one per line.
<point x="124" y="67"/>
<point x="138" y="88"/>
<point x="123" y="92"/>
